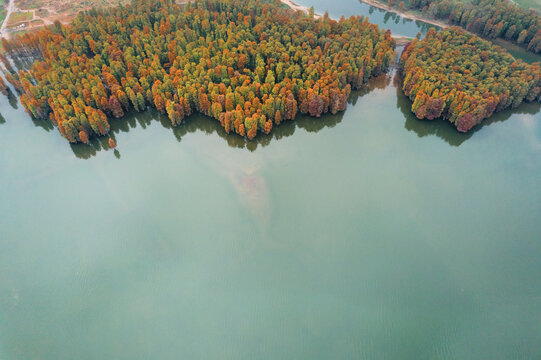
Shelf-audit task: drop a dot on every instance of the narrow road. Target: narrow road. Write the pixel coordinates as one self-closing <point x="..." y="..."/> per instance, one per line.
<point x="10" y="9"/>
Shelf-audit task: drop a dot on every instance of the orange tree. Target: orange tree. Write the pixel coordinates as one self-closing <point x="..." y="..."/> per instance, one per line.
<point x="248" y="64"/>
<point x="489" y="18"/>
<point x="463" y="78"/>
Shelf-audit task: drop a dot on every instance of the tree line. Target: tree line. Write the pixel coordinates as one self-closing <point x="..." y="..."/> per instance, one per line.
<point x="489" y="18"/>
<point x="248" y="64"/>
<point x="459" y="76"/>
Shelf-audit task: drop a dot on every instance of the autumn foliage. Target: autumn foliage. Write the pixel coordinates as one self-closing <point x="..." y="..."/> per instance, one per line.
<point x="4" y="89"/>
<point x="489" y="18"/>
<point x="463" y="78"/>
<point x="248" y="64"/>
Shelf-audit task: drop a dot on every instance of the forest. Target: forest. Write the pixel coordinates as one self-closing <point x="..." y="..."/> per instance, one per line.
<point x="488" y="18"/>
<point x="248" y="64"/>
<point x="459" y="76"/>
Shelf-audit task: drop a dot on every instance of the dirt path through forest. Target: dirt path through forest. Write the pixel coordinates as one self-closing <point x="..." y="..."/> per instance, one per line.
<point x="304" y="9"/>
<point x="10" y="9"/>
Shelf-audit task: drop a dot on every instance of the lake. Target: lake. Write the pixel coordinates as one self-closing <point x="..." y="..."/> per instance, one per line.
<point x="363" y="235"/>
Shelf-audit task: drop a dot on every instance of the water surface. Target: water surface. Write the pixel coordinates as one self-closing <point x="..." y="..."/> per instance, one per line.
<point x="385" y="19"/>
<point x="364" y="235"/>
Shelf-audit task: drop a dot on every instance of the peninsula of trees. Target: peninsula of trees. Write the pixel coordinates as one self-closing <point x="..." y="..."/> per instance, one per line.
<point x="248" y="64"/>
<point x="458" y="76"/>
<point x="489" y="18"/>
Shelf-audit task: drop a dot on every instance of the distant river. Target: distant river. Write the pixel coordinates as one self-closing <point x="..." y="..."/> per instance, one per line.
<point x="364" y="235"/>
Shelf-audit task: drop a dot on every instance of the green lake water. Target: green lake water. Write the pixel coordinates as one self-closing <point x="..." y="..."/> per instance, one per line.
<point x="364" y="235"/>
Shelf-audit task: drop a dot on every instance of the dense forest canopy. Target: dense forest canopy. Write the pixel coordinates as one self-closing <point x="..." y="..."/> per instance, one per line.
<point x="248" y="64"/>
<point x="463" y="78"/>
<point x="489" y="18"/>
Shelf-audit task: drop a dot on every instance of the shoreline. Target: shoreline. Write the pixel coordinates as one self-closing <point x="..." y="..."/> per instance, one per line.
<point x="301" y="8"/>
<point x="406" y="15"/>
<point x="400" y="39"/>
